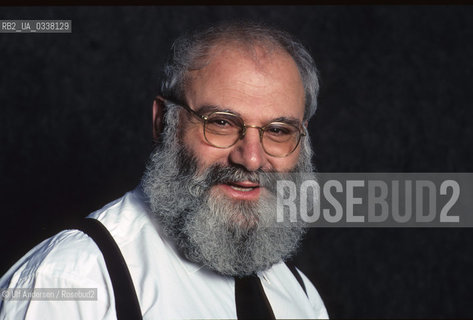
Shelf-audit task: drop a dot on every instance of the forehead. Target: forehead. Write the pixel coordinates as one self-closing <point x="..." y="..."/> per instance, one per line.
<point x="258" y="84"/>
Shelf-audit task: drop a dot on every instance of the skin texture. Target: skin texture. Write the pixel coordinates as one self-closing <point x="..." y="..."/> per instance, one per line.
<point x="260" y="88"/>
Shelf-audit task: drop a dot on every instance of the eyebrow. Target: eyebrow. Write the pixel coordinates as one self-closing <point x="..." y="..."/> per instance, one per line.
<point x="289" y="120"/>
<point x="212" y="108"/>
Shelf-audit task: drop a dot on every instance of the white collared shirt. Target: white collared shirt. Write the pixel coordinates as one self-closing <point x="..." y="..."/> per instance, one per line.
<point x="168" y="286"/>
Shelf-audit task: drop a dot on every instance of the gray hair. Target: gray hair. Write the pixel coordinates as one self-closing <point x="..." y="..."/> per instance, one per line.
<point x="190" y="52"/>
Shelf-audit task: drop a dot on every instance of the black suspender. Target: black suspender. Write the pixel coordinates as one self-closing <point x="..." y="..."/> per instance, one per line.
<point x="126" y="301"/>
<point x="250" y="299"/>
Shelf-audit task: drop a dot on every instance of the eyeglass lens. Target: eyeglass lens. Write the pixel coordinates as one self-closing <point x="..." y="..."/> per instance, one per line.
<point x="223" y="129"/>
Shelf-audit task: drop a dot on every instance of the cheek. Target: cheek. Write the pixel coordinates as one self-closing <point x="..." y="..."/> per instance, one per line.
<point x="193" y="139"/>
<point x="288" y="163"/>
<point x="190" y="136"/>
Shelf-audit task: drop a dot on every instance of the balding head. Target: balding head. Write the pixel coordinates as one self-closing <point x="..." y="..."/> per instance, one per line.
<point x="193" y="52"/>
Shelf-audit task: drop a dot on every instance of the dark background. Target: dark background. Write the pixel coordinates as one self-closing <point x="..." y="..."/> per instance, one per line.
<point x="75" y="132"/>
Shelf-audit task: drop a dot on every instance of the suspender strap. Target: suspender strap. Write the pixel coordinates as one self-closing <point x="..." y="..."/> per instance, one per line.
<point x="296" y="275"/>
<point x="126" y="301"/>
<point x="251" y="302"/>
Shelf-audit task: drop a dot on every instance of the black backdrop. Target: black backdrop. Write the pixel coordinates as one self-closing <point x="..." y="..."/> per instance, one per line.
<point x="75" y="121"/>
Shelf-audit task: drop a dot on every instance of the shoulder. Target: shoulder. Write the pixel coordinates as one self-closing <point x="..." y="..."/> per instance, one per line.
<point x="73" y="254"/>
<point x="71" y="259"/>
<point x="68" y="260"/>
<point x="69" y="254"/>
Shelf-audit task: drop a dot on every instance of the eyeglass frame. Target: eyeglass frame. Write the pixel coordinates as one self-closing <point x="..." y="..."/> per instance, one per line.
<point x="261" y="130"/>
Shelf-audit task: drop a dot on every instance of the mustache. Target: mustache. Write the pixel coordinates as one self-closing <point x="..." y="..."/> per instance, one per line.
<point x="218" y="173"/>
<point x="225" y="174"/>
<point x="228" y="174"/>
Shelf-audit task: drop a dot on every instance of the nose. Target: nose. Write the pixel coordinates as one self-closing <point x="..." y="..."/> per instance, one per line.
<point x="248" y="152"/>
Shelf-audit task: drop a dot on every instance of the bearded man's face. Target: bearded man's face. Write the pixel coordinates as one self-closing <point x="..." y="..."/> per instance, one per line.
<point x="219" y="204"/>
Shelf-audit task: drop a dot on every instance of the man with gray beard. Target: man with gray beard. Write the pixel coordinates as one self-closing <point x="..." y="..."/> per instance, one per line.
<point x="199" y="238"/>
<point x="204" y="225"/>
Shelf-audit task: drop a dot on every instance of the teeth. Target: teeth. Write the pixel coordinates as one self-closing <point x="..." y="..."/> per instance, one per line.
<point x="242" y="189"/>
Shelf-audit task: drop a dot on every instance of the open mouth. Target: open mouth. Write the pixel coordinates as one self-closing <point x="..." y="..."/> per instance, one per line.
<point x="243" y="190"/>
<point x="243" y="187"/>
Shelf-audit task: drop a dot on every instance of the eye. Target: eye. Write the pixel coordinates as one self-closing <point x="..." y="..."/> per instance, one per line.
<point x="279" y="130"/>
<point x="220" y="122"/>
<point x="223" y="121"/>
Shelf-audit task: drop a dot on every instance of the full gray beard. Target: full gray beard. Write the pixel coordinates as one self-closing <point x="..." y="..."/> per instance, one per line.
<point x="234" y="238"/>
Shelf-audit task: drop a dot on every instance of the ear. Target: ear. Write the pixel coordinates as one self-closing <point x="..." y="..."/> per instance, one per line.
<point x="158" y="117"/>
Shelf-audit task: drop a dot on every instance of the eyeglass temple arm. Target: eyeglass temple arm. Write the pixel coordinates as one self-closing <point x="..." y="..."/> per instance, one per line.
<point x="185" y="106"/>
